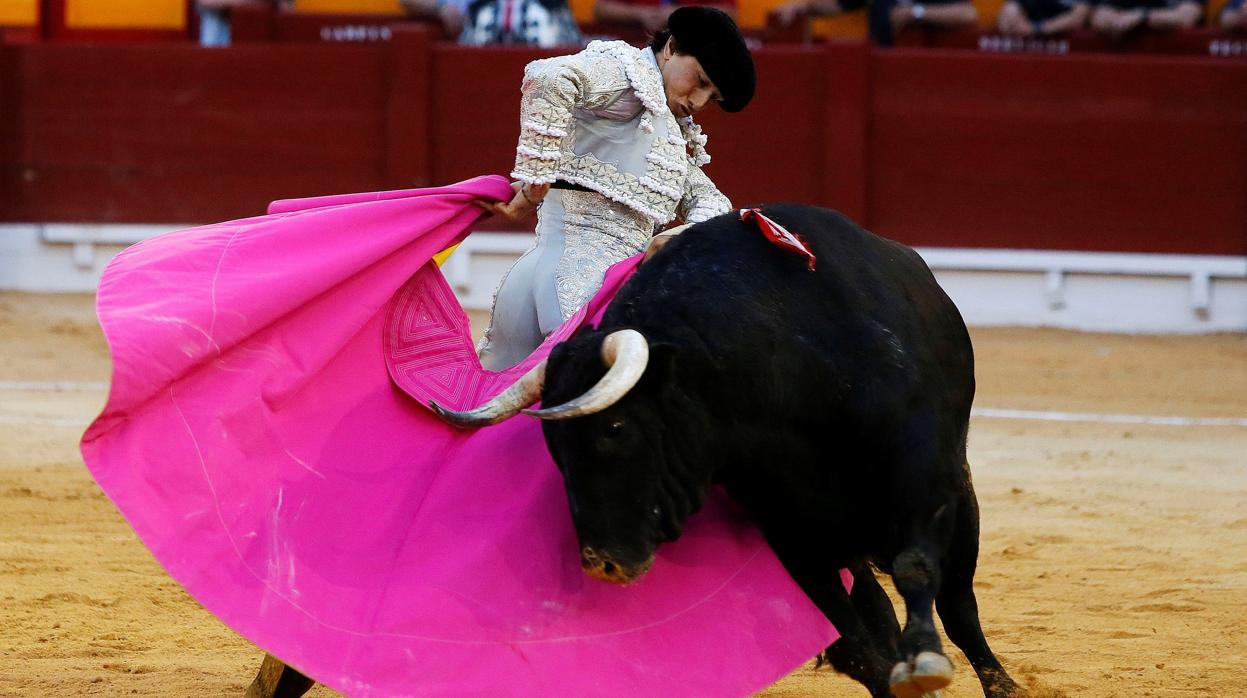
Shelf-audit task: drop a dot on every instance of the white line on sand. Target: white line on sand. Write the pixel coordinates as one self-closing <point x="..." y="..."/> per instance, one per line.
<point x="55" y="386"/>
<point x="1038" y="415"/>
<point x="43" y="421"/>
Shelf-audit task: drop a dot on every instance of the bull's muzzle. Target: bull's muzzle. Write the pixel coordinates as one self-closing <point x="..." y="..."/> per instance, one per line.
<point x="601" y="566"/>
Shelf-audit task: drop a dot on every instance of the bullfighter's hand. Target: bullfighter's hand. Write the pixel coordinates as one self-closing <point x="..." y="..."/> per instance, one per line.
<point x="658" y="241"/>
<point x="522" y="205"/>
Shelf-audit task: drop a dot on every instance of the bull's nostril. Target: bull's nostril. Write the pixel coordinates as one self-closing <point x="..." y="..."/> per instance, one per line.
<point x="608" y="568"/>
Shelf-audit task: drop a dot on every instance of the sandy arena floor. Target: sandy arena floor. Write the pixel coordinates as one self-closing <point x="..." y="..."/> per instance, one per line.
<point x="1114" y="556"/>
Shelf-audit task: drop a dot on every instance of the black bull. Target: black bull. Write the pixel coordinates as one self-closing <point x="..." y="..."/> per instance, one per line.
<point x="832" y="404"/>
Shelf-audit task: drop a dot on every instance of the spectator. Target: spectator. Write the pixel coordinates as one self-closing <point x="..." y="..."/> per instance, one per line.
<point x="650" y="15"/>
<point x="932" y="13"/>
<point x="886" y="16"/>
<point x="544" y="23"/>
<point x="214" y="18"/>
<point x="449" y="13"/>
<point x="1042" y="17"/>
<point x="789" y="12"/>
<point x="1234" y="16"/>
<point x="1116" y="18"/>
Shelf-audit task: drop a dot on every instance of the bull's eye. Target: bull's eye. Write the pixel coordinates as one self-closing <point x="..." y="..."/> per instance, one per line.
<point x="613" y="437"/>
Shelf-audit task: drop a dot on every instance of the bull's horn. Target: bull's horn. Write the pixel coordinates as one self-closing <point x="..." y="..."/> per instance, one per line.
<point x="505" y="405"/>
<point x="626" y="352"/>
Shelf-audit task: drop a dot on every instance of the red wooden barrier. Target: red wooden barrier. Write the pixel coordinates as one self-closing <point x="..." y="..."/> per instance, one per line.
<point x="847" y="166"/>
<point x="1092" y="154"/>
<point x="178" y="133"/>
<point x="932" y="147"/>
<point x="408" y="155"/>
<point x="11" y="163"/>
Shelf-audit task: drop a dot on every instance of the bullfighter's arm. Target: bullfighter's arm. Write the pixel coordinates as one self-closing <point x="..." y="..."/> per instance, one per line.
<point x="702" y="199"/>
<point x="552" y="89"/>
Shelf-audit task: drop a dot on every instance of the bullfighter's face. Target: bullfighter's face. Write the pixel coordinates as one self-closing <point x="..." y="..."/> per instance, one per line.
<point x="624" y="495"/>
<point x="688" y="88"/>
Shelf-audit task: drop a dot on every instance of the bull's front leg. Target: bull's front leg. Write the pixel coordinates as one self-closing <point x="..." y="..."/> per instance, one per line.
<point x="277" y="680"/>
<point x="855" y="653"/>
<point x="925" y="525"/>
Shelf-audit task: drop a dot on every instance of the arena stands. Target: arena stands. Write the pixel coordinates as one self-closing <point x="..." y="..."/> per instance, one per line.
<point x="362" y="21"/>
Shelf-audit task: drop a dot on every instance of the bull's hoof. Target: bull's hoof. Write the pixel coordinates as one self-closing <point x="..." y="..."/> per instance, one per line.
<point x="923" y="677"/>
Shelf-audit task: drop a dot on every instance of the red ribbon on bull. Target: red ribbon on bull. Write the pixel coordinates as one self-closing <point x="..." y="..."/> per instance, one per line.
<point x="778" y="234"/>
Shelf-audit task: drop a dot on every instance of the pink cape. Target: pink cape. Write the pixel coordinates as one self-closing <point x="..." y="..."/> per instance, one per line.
<point x="256" y="442"/>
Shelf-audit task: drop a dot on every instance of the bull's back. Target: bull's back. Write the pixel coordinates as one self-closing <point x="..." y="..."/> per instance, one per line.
<point x="869" y="324"/>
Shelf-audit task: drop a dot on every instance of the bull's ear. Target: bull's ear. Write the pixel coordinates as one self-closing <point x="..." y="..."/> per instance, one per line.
<point x="679" y="374"/>
<point x="663" y="358"/>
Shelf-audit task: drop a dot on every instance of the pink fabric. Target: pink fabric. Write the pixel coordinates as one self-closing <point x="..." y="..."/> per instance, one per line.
<point x="428" y="346"/>
<point x="256" y="443"/>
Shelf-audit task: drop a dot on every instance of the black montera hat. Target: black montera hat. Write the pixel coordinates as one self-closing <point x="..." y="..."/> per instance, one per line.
<point x="709" y="35"/>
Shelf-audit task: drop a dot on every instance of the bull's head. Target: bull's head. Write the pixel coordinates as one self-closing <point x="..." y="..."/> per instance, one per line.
<point x="626" y="489"/>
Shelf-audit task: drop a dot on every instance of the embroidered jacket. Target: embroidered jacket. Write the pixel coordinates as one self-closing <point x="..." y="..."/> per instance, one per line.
<point x="600" y="119"/>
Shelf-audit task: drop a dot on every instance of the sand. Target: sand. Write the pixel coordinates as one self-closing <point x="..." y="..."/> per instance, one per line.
<point x="1114" y="556"/>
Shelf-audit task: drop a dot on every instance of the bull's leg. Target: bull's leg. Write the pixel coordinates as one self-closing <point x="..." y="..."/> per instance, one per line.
<point x="925" y="528"/>
<point x="276" y="680"/>
<point x="854" y="653"/>
<point x="916" y="573"/>
<point x="915" y="570"/>
<point x="958" y="608"/>
<point x="875" y="609"/>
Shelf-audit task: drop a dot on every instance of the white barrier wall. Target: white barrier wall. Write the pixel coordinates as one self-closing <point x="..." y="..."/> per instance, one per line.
<point x="1109" y="292"/>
